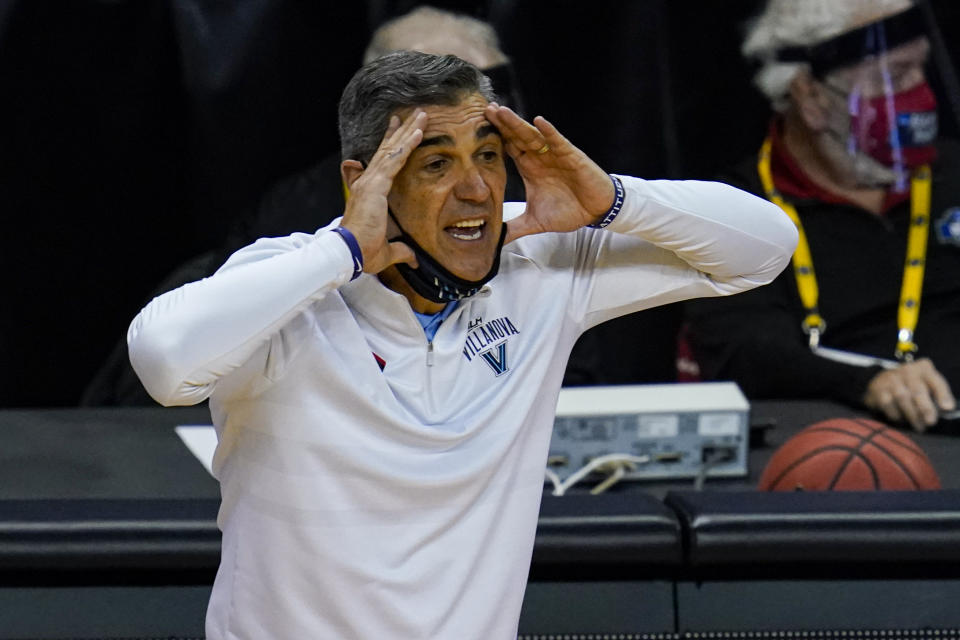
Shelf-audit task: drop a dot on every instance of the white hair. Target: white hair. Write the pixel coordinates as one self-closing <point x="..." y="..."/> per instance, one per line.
<point x="436" y="31"/>
<point x="789" y="23"/>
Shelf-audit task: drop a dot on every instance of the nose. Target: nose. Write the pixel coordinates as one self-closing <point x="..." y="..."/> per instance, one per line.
<point x="471" y="185"/>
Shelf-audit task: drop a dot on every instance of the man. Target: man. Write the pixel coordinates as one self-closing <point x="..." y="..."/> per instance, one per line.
<point x="849" y="154"/>
<point x="384" y="388"/>
<point x="295" y="202"/>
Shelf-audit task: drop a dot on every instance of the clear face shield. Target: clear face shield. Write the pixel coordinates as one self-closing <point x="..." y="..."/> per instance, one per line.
<point x="886" y="116"/>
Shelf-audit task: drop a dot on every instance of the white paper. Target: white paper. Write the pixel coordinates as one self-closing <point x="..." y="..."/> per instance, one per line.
<point x="201" y="439"/>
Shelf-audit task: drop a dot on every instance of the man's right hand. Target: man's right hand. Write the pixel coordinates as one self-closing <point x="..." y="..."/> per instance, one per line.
<point x="914" y="392"/>
<point x="366" y="211"/>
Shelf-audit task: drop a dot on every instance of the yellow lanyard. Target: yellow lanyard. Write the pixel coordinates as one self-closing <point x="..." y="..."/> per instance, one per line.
<point x="908" y="311"/>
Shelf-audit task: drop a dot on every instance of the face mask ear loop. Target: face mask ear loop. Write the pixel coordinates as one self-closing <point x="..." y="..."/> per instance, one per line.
<point x="891" y="113"/>
<point x="396" y="222"/>
<point x="851" y="99"/>
<point x="859" y="109"/>
<point x="853" y="110"/>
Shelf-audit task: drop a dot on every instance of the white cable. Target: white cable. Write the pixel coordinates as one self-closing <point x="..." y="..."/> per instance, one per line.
<point x="555" y="479"/>
<point x="587" y="469"/>
<point x="613" y="478"/>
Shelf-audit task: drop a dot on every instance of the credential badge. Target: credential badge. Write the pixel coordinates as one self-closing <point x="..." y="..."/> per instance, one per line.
<point x="948" y="227"/>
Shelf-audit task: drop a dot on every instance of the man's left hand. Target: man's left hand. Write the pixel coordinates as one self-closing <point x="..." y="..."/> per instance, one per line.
<point x="565" y="189"/>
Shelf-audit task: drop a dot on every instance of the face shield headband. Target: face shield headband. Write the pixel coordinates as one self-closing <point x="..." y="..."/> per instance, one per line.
<point x="434" y="282"/>
<point x="851" y="47"/>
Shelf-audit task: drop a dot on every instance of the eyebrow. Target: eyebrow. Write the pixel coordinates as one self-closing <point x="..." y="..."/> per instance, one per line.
<point x="482" y="132"/>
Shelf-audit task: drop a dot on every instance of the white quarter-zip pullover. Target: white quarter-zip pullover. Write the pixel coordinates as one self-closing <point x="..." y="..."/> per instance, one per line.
<point x="402" y="502"/>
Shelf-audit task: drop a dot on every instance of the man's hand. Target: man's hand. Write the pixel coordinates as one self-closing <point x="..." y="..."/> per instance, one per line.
<point x="915" y="392"/>
<point x="565" y="189"/>
<point x="366" y="212"/>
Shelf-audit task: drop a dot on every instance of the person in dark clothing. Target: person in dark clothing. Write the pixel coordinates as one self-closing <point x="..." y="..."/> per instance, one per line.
<point x="843" y="323"/>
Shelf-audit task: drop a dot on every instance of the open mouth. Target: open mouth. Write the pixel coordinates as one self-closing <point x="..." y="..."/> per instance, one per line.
<point x="467" y="229"/>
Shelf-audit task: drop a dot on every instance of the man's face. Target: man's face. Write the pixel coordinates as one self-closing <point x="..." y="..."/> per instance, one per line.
<point x="449" y="194"/>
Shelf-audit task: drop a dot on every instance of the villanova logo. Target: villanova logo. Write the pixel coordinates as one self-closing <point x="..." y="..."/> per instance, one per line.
<point x="489" y="341"/>
<point x="497" y="362"/>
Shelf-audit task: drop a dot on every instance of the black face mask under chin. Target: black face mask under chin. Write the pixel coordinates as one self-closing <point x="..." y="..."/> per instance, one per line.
<point x="432" y="281"/>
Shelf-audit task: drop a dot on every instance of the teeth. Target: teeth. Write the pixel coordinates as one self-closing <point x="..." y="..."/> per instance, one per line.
<point x="469" y="223"/>
<point x="475" y="235"/>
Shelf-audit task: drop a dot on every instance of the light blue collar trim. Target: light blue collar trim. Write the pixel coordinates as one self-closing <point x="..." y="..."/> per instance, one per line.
<point x="432" y="321"/>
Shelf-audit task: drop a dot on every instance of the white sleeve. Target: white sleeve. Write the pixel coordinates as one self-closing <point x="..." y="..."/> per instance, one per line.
<point x="675" y="240"/>
<point x="183" y="341"/>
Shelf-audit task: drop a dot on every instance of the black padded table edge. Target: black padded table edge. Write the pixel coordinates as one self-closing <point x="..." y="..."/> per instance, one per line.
<point x="178" y="535"/>
<point x="107" y="535"/>
<point x="751" y="528"/>
<point x="633" y="529"/>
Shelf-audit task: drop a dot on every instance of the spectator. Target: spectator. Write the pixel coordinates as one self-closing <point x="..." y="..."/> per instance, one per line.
<point x="851" y="150"/>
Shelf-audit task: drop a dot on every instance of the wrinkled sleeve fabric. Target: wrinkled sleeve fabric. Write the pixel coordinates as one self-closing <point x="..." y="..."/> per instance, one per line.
<point x="185" y="340"/>
<point x="673" y="240"/>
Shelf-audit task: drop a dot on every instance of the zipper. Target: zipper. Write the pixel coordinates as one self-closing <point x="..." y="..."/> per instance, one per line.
<point x="449" y="319"/>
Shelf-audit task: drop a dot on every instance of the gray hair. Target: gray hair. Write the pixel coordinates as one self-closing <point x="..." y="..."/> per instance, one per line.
<point x="433" y="30"/>
<point x="788" y="23"/>
<point x="401" y="80"/>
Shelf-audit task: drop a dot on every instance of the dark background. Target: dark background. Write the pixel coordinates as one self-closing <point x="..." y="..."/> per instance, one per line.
<point x="135" y="133"/>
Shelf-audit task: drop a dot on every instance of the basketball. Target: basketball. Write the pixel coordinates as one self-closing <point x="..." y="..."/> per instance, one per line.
<point x="848" y="454"/>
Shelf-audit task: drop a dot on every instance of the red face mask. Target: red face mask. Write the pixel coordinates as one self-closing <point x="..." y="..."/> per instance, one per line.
<point x="902" y="124"/>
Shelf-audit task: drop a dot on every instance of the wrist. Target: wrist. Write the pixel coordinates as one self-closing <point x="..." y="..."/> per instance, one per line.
<point x="355" y="253"/>
<point x="611" y="213"/>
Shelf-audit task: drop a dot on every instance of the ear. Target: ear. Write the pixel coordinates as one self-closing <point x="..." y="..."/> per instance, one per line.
<point x="350" y="170"/>
<point x="809" y="100"/>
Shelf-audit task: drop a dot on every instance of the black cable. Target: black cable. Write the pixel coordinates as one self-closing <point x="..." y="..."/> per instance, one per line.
<point x="702" y="474"/>
<point x="711" y="458"/>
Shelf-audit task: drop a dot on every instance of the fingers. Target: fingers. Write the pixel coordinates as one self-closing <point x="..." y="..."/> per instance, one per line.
<point x="928" y="391"/>
<point x="512" y="150"/>
<point x="915" y="404"/>
<point x="914" y="392"/>
<point x="392" y="127"/>
<point x="548" y="131"/>
<point x="938" y="385"/>
<point x="398" y="143"/>
<point x="539" y="137"/>
<point x="887" y="404"/>
<point x="922" y="376"/>
<point x="366" y="211"/>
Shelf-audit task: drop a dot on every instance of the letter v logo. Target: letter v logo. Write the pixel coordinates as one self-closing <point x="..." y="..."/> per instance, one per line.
<point x="497" y="362"/>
